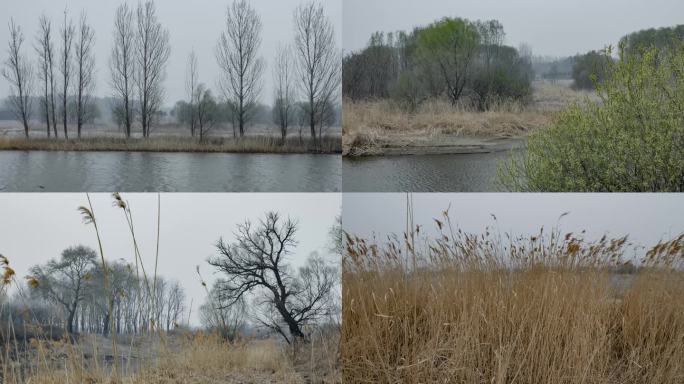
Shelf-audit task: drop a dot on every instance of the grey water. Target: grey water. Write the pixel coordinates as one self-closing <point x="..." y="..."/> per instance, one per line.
<point x="423" y="173"/>
<point x="64" y="171"/>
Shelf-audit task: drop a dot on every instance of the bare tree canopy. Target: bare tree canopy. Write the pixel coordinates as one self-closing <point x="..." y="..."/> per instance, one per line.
<point x="284" y="91"/>
<point x="63" y="281"/>
<point x="256" y="263"/>
<point x="85" y="67"/>
<point x="152" y="53"/>
<point x="67" y="33"/>
<point x="191" y="86"/>
<point x="19" y="74"/>
<point x="237" y="56"/>
<point x="44" y="48"/>
<point x="318" y="63"/>
<point x="122" y="66"/>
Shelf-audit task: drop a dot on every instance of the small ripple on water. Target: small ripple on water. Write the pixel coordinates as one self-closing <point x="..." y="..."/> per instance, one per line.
<point x="26" y="171"/>
<point x="422" y="173"/>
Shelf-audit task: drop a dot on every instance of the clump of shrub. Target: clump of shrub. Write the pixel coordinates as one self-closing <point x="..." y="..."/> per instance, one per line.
<point x="630" y="141"/>
<point x="590" y="69"/>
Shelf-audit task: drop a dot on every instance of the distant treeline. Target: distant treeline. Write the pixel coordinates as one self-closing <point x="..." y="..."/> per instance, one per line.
<point x="68" y="293"/>
<point x="591" y="68"/>
<point x="59" y="75"/>
<point x="460" y="60"/>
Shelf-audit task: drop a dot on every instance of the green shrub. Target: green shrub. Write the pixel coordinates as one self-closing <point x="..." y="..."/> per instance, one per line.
<point x="590" y="69"/>
<point x="630" y="141"/>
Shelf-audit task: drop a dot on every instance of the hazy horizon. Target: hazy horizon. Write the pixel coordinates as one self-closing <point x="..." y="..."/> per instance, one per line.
<point x="616" y="215"/>
<point x="37" y="227"/>
<point x="190" y="26"/>
<point x="552" y="28"/>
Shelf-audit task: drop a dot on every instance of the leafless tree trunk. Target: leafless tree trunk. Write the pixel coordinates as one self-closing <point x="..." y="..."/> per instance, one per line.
<point x="122" y="64"/>
<point x="284" y="90"/>
<point x="192" y="89"/>
<point x="153" y="50"/>
<point x="318" y="61"/>
<point x="44" y="48"/>
<point x="19" y="74"/>
<point x="85" y="63"/>
<point x="255" y="262"/>
<point x="67" y="33"/>
<point x="237" y="56"/>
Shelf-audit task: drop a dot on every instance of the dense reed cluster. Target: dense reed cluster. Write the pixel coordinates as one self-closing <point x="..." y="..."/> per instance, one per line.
<point x="496" y="308"/>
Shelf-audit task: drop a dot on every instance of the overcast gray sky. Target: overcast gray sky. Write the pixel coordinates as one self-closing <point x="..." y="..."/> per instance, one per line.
<point x="551" y="27"/>
<point x="191" y="24"/>
<point x="646" y="218"/>
<point x="37" y="227"/>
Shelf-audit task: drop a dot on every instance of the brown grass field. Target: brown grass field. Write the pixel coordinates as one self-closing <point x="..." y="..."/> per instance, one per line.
<point x="495" y="309"/>
<point x="250" y="144"/>
<point x="178" y="358"/>
<point x="370" y="126"/>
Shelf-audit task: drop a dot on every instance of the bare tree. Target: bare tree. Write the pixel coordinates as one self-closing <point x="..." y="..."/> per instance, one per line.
<point x="191" y="87"/>
<point x="44" y="48"/>
<point x="85" y="66"/>
<point x="67" y="33"/>
<point x="318" y="61"/>
<point x="122" y="65"/>
<point x="256" y="263"/>
<point x="153" y="50"/>
<point x="206" y="111"/>
<point x="63" y="281"/>
<point x="284" y="93"/>
<point x="241" y="67"/>
<point x="216" y="315"/>
<point x="19" y="74"/>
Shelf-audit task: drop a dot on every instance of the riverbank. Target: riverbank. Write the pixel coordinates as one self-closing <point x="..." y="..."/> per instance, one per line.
<point x="376" y="128"/>
<point x="251" y="144"/>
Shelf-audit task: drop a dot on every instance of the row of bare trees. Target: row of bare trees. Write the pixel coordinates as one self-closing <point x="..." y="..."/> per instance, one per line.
<point x="306" y="73"/>
<point x="138" y="60"/>
<point x="74" y="62"/>
<point x="310" y="69"/>
<point x="72" y="286"/>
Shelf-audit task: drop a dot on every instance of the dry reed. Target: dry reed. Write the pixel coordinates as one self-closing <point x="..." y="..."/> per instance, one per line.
<point x="370" y="125"/>
<point x="251" y="144"/>
<point x="491" y="308"/>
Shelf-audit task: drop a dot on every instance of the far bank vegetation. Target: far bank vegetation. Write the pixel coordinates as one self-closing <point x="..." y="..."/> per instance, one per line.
<point x="53" y="85"/>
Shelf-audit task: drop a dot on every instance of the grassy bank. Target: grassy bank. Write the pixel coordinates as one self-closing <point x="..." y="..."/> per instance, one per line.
<point x="481" y="309"/>
<point x="252" y="144"/>
<point x="180" y="358"/>
<point x="370" y="126"/>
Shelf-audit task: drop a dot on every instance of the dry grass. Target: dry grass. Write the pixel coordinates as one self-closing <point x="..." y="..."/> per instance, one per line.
<point x="251" y="144"/>
<point x="368" y="126"/>
<point x="481" y="309"/>
<point x="192" y="358"/>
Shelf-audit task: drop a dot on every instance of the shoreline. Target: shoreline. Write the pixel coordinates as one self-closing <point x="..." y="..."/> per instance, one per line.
<point x="170" y="144"/>
<point x="416" y="145"/>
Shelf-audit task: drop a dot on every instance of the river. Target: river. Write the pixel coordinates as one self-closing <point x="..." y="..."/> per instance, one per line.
<point x="26" y="171"/>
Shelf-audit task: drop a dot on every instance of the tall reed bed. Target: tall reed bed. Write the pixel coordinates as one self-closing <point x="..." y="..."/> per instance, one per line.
<point x="494" y="308"/>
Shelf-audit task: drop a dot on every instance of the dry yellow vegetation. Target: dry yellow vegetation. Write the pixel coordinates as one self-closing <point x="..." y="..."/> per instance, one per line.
<point x="183" y="358"/>
<point x="492" y="309"/>
<point x="251" y="144"/>
<point x="371" y="125"/>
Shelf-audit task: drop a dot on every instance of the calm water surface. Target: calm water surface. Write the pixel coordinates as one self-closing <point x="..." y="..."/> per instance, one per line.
<point x="26" y="171"/>
<point x="422" y="173"/>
